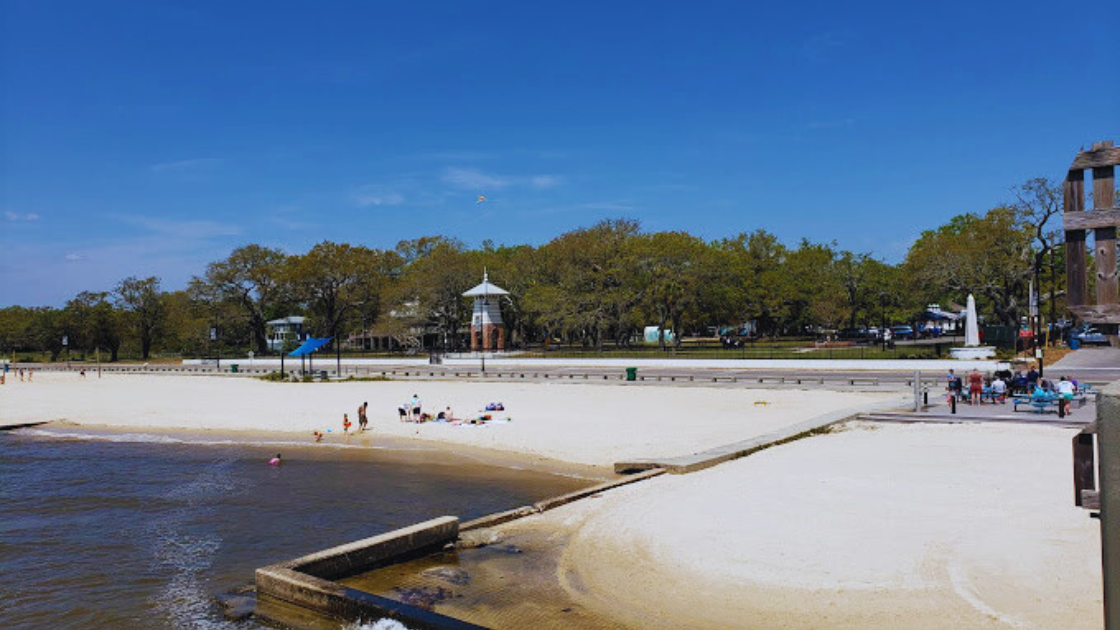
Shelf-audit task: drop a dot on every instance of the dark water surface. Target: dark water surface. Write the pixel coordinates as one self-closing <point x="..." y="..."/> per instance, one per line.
<point x="116" y="530"/>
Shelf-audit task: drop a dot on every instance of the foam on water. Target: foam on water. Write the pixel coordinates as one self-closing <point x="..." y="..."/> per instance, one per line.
<point x="189" y="551"/>
<point x="153" y="438"/>
<point x="382" y="624"/>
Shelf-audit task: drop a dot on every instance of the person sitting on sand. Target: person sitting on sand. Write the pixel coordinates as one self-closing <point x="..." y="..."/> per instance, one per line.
<point x="318" y="435"/>
<point x="446" y="414"/>
<point x="345" y="423"/>
<point x="275" y="461"/>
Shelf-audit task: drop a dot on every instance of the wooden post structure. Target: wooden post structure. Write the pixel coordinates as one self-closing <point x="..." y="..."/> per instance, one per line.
<point x="1107" y="498"/>
<point x="1103" y="218"/>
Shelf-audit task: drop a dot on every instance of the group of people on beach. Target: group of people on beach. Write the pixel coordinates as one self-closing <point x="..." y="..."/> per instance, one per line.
<point x="411" y="411"/>
<point x="1003" y="383"/>
<point x="21" y="372"/>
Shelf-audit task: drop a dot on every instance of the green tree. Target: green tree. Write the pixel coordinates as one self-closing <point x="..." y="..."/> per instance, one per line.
<point x="142" y="301"/>
<point x="251" y="277"/>
<point x="336" y="281"/>
<point x="93" y="322"/>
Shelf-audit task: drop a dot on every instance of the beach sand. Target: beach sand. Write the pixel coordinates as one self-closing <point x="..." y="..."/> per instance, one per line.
<point x="577" y="423"/>
<point x="874" y="526"/>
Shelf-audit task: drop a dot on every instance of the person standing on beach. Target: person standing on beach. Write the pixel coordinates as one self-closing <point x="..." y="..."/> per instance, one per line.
<point x="403" y="410"/>
<point x="975" y="386"/>
<point x="345" y="423"/>
<point x="365" y="416"/>
<point x="415" y="408"/>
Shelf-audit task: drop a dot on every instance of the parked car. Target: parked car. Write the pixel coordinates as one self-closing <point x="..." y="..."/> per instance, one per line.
<point x="1088" y="335"/>
<point x="857" y="334"/>
<point x="903" y="332"/>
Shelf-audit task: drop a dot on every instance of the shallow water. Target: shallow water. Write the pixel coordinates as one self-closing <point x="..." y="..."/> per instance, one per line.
<point x="101" y="530"/>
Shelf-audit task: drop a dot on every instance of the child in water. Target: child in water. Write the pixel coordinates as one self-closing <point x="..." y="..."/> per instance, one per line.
<point x="275" y="461"/>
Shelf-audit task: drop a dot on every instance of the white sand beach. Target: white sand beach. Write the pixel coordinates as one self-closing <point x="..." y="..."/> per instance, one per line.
<point x="576" y="423"/>
<point x="876" y="526"/>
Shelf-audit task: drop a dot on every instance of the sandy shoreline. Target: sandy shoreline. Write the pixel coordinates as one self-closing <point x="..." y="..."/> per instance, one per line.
<point x="881" y="526"/>
<point x="583" y="424"/>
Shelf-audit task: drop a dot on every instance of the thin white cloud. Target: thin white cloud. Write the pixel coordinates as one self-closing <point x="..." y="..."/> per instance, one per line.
<point x="377" y="195"/>
<point x="16" y="216"/>
<point x="75" y="257"/>
<point x="181" y="167"/>
<point x="189" y="229"/>
<point x="612" y="206"/>
<point x="545" y="181"/>
<point x="474" y="179"/>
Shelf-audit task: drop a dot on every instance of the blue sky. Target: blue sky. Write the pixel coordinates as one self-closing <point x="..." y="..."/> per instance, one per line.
<point x="141" y="138"/>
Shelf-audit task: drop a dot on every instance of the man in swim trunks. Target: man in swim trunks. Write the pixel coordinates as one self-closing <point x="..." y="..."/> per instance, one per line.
<point x="975" y="386"/>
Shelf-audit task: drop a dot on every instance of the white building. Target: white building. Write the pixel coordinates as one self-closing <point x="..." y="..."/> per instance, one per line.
<point x="285" y="333"/>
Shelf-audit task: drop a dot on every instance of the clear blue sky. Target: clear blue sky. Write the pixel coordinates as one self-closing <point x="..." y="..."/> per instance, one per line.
<point x="148" y="138"/>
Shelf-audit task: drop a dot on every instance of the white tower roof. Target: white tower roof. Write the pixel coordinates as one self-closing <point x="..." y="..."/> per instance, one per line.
<point x="485" y="288"/>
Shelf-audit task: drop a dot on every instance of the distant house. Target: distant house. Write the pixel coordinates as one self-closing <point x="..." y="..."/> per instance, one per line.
<point x="286" y="332"/>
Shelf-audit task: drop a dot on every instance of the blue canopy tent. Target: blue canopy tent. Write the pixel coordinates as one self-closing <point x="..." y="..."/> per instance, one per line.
<point x="307" y="348"/>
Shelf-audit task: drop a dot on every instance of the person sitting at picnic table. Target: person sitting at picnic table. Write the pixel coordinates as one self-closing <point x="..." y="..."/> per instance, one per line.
<point x="975" y="386"/>
<point x="955" y="387"/>
<point x="1032" y="377"/>
<point x="1019" y="383"/>
<point x="999" y="390"/>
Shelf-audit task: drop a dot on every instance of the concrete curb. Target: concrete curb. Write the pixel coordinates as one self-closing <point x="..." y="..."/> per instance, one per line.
<point x="720" y="454"/>
<point x="554" y="502"/>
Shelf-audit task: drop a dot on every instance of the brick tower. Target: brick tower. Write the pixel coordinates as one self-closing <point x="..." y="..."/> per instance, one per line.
<point x="487" y="332"/>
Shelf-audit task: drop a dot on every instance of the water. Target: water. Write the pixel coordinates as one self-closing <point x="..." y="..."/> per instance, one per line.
<point x="117" y="530"/>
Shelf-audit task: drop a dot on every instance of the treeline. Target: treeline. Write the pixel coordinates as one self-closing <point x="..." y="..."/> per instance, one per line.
<point x="593" y="286"/>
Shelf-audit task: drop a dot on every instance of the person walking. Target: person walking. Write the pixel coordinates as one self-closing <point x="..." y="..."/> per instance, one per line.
<point x="1066" y="390"/>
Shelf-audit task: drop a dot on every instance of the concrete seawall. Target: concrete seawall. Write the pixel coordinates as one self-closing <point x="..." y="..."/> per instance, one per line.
<point x="307" y="581"/>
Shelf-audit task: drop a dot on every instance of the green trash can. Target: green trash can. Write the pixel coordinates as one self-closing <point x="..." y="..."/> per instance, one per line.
<point x="233" y="368"/>
<point x="631" y="373"/>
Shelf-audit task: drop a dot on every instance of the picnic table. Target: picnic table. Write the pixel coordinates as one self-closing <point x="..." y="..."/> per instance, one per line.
<point x="1038" y="404"/>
